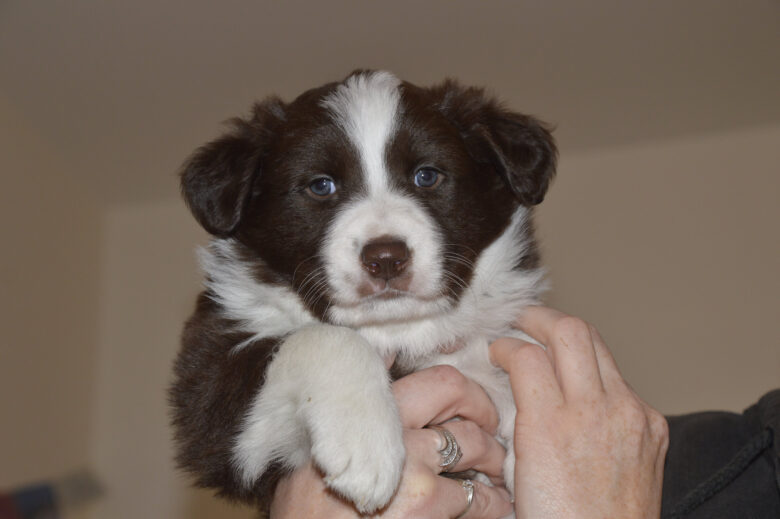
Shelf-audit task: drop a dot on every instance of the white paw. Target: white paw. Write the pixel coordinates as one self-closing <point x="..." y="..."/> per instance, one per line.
<point x="362" y="457"/>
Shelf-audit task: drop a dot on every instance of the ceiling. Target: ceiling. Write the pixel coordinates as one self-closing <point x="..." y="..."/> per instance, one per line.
<point x="124" y="90"/>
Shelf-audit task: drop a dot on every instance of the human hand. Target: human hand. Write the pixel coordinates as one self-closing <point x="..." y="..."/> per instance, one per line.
<point x="430" y="396"/>
<point x="586" y="445"/>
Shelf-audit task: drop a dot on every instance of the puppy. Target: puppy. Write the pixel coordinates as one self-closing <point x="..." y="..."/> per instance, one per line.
<point x="367" y="220"/>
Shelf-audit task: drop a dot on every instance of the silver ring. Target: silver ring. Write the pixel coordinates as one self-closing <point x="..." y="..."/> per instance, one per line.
<point x="469" y="486"/>
<point x="450" y="451"/>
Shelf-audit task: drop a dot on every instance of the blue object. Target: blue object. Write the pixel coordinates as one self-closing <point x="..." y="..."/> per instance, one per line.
<point x="36" y="502"/>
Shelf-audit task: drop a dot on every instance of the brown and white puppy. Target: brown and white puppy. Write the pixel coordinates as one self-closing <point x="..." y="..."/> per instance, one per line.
<point x="367" y="219"/>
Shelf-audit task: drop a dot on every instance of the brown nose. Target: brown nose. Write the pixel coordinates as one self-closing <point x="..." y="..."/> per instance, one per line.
<point x="385" y="258"/>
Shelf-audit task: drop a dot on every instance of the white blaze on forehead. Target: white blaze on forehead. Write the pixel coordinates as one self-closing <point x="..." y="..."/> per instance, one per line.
<point x="365" y="107"/>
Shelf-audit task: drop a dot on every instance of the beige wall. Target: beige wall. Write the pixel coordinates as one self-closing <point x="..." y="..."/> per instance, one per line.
<point x="670" y="248"/>
<point x="148" y="284"/>
<point x="48" y="309"/>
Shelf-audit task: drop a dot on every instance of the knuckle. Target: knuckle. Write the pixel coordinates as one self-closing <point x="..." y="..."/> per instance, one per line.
<point x="659" y="426"/>
<point x="486" y="503"/>
<point x="634" y="414"/>
<point x="419" y="508"/>
<point x="664" y="442"/>
<point x="480" y="503"/>
<point x="594" y="332"/>
<point x="470" y="428"/>
<point x="570" y="325"/>
<point x="475" y="437"/>
<point x="449" y="376"/>
<point x="505" y="341"/>
<point x="521" y="354"/>
<point x="509" y="345"/>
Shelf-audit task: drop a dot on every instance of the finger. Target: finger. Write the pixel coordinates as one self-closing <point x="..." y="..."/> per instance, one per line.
<point x="319" y="501"/>
<point x="531" y="375"/>
<point x="538" y="321"/>
<point x="440" y="393"/>
<point x="610" y="374"/>
<point x="480" y="451"/>
<point x="570" y="344"/>
<point x="487" y="503"/>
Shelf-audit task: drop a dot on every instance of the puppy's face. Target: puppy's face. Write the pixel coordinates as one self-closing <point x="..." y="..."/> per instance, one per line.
<point x="370" y="198"/>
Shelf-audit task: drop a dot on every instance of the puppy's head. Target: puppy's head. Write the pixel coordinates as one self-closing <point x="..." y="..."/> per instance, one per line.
<point x="371" y="198"/>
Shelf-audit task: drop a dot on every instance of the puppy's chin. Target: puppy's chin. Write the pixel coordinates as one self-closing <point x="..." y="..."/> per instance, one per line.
<point x="390" y="307"/>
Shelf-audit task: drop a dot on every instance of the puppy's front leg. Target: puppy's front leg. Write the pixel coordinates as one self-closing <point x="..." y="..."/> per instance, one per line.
<point x="327" y="394"/>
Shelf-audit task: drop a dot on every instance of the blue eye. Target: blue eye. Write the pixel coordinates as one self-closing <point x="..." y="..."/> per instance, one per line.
<point x="322" y="187"/>
<point x="427" y="177"/>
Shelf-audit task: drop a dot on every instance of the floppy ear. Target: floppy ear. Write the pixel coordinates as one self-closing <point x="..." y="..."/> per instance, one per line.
<point x="216" y="181"/>
<point x="520" y="147"/>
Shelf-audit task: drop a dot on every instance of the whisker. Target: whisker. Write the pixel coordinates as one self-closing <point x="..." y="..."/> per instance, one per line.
<point x="469" y="249"/>
<point x="300" y="264"/>
<point x="325" y="312"/>
<point x="461" y="260"/>
<point x="314" y="289"/>
<point x="453" y="253"/>
<point x="309" y="278"/>
<point x="459" y="282"/>
<point x="320" y="294"/>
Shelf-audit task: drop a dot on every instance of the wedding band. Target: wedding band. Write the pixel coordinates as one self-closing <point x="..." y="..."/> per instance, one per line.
<point x="450" y="451"/>
<point x="469" y="486"/>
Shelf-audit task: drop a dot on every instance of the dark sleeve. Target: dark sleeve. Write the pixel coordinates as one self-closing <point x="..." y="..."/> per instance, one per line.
<point x="724" y="465"/>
